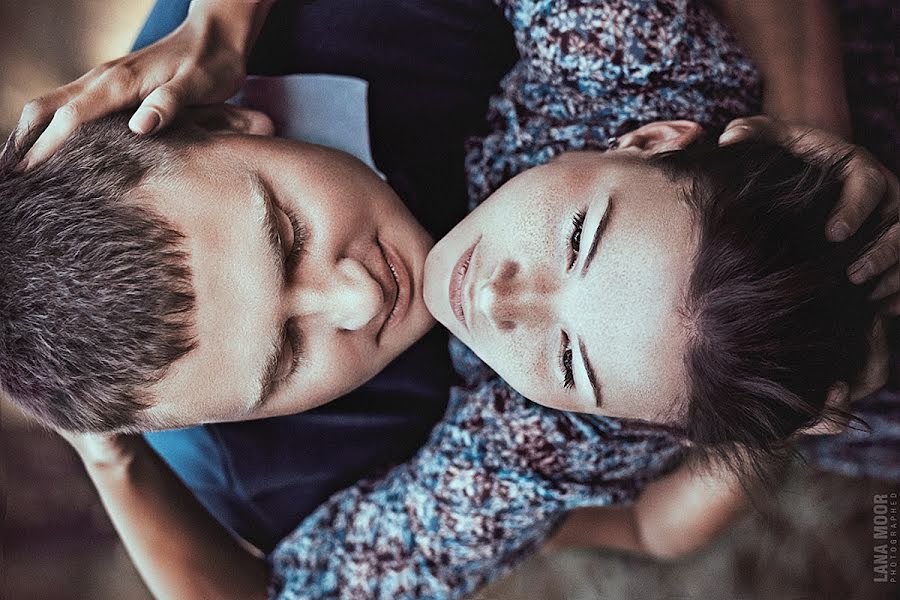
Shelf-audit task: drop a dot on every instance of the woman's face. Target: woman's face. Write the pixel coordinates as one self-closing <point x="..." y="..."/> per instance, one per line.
<point x="307" y="272"/>
<point x="569" y="282"/>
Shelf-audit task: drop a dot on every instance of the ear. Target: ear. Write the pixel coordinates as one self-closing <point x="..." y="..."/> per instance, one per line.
<point x="661" y="136"/>
<point x="838" y="398"/>
<point x="229" y="119"/>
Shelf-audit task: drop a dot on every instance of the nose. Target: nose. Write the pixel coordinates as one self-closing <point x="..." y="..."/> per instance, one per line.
<point x="348" y="296"/>
<point x="511" y="299"/>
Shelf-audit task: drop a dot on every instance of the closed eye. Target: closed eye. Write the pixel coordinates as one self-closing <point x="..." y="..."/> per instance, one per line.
<point x="291" y="237"/>
<point x="299" y="235"/>
<point x="282" y="364"/>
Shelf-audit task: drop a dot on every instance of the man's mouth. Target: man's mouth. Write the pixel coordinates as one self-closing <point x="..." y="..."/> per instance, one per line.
<point x="457" y="283"/>
<point x="399" y="289"/>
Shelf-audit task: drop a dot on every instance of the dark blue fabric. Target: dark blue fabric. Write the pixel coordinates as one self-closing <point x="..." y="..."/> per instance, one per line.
<point x="431" y="67"/>
<point x="165" y="16"/>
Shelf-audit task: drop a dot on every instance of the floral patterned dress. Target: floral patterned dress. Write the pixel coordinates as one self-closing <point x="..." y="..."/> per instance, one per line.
<point x="499" y="472"/>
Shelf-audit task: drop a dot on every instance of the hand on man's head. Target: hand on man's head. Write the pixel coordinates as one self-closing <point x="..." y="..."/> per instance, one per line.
<point x="199" y="63"/>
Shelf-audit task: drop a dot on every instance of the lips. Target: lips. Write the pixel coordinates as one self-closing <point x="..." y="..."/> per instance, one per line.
<point x="457" y="282"/>
<point x="398" y="288"/>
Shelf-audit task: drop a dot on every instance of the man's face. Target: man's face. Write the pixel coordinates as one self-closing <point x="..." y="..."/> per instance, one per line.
<point x="569" y="282"/>
<point x="307" y="272"/>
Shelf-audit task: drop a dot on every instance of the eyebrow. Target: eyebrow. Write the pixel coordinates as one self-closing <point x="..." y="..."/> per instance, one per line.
<point x="270" y="221"/>
<point x="589" y="369"/>
<point x="601" y="227"/>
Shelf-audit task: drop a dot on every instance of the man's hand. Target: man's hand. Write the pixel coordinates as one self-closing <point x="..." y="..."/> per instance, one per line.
<point x="868" y="187"/>
<point x="202" y="62"/>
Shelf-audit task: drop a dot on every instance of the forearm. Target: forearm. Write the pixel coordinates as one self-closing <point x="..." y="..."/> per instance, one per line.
<point x="610" y="527"/>
<point x="181" y="551"/>
<point x="681" y="513"/>
<point x="236" y="22"/>
<point x="797" y="47"/>
<point x="673" y="517"/>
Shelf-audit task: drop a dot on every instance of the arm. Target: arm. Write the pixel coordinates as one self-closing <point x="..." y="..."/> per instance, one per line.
<point x="674" y="516"/>
<point x="491" y="484"/>
<point x="180" y="550"/>
<point x="797" y="46"/>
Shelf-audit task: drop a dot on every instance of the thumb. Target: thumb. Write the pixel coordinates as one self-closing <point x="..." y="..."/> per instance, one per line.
<point x="157" y="110"/>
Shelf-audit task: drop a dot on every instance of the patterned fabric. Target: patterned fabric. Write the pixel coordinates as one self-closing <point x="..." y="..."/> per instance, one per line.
<point x="498" y="473"/>
<point x="593" y="70"/>
<point x="494" y="480"/>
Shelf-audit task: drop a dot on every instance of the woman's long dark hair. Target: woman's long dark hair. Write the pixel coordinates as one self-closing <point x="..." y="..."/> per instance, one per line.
<point x="774" y="319"/>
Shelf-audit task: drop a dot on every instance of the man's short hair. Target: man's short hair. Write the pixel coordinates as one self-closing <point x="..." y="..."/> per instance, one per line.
<point x="96" y="298"/>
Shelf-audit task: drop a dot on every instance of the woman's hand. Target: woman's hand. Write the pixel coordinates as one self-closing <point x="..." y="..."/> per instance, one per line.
<point x="202" y="62"/>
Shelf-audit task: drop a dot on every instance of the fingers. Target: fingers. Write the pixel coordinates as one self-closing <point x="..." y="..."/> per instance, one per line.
<point x="867" y="185"/>
<point x="761" y="128"/>
<point x="98" y="93"/>
<point x="158" y="109"/>
<point x="888" y="285"/>
<point x="39" y="111"/>
<point x="838" y="395"/>
<point x="883" y="255"/>
<point x="864" y="188"/>
<point x="875" y="372"/>
<point x="65" y="120"/>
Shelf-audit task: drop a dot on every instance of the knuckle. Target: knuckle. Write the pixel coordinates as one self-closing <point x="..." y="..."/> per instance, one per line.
<point x="873" y="176"/>
<point x="750" y="123"/>
<point x="69" y="113"/>
<point x="107" y="66"/>
<point x="165" y="97"/>
<point x="34" y="110"/>
<point x="123" y="73"/>
<point x="738" y="122"/>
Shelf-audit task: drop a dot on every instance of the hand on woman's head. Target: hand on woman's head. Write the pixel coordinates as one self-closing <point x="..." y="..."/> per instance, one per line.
<point x="869" y="187"/>
<point x="662" y="280"/>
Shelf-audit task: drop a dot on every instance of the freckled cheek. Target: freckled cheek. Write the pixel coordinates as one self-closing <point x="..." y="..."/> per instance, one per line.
<point x="527" y="236"/>
<point x="519" y="361"/>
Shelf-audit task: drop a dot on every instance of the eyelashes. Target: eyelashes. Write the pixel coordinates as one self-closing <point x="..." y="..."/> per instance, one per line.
<point x="301" y="235"/>
<point x="565" y="347"/>
<point x="575" y="236"/>
<point x="290" y="337"/>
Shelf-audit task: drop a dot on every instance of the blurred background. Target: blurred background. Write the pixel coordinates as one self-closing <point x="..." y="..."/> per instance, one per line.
<point x="811" y="538"/>
<point x="56" y="542"/>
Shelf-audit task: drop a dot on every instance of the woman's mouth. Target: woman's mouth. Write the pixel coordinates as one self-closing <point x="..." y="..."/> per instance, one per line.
<point x="400" y="293"/>
<point x="457" y="283"/>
